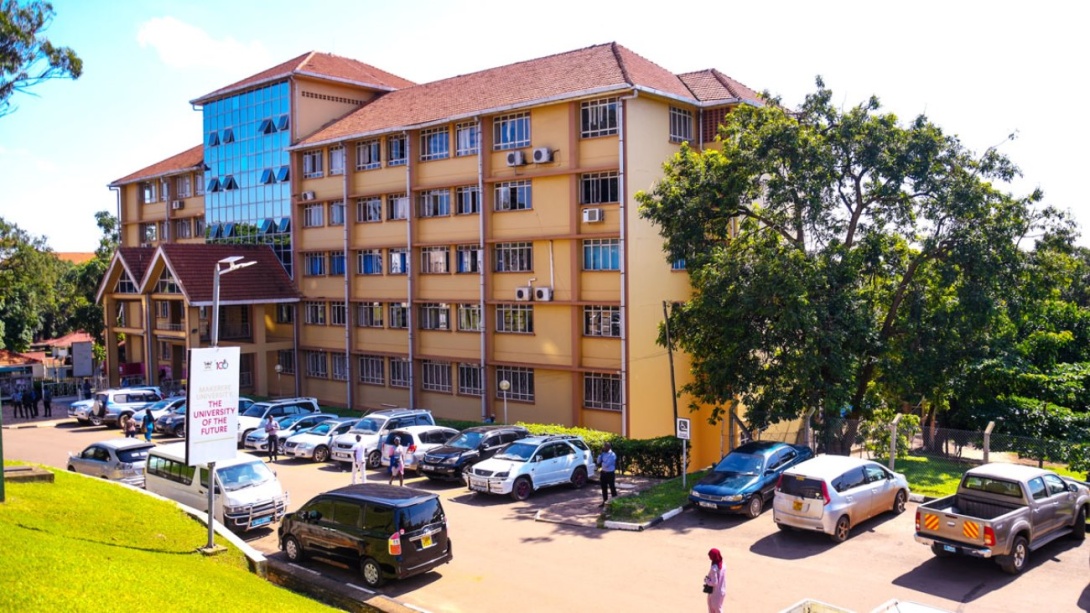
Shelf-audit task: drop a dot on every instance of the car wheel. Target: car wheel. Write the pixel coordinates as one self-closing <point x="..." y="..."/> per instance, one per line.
<point x="71" y="469"/>
<point x="1078" y="531"/>
<point x="522" y="488"/>
<point x="755" y="506"/>
<point x="83" y="422"/>
<point x="179" y="431"/>
<point x="371" y="571"/>
<point x="96" y="420"/>
<point x="374" y="459"/>
<point x="245" y="433"/>
<point x="321" y="454"/>
<point x="579" y="477"/>
<point x="1015" y="563"/>
<point x="843" y="527"/>
<point x="279" y="448"/>
<point x="899" y="502"/>
<point x="293" y="549"/>
<point x="939" y="552"/>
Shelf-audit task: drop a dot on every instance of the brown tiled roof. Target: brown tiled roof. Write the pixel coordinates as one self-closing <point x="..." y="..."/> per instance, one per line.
<point x="712" y="86"/>
<point x="10" y="358"/>
<point x="193" y="266"/>
<point x="75" y="257"/>
<point x="136" y="261"/>
<point x="318" y="65"/>
<point x="598" y="69"/>
<point x="189" y="159"/>
<point x="67" y="340"/>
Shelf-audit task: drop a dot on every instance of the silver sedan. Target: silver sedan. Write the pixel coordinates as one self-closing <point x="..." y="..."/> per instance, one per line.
<point x="118" y="459"/>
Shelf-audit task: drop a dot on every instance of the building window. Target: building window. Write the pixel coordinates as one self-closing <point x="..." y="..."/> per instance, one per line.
<point x="514" y="257"/>
<point x="681" y="125"/>
<point x="286" y="359"/>
<point x="285" y="314"/>
<point x="435" y="316"/>
<point x="434" y="144"/>
<point x="149" y="232"/>
<point x="397" y="206"/>
<point x="314" y="313"/>
<point x="396" y="152"/>
<point x="372" y="370"/>
<point x="182" y="228"/>
<point x="468" y="136"/>
<point x="678" y="264"/>
<point x="435" y="260"/>
<point x="469" y="318"/>
<point x="314" y="264"/>
<point x="336" y="161"/>
<point x="598" y="188"/>
<point x="470" y="258"/>
<point x="399" y="315"/>
<point x="198" y="226"/>
<point x="336" y="213"/>
<point x="164" y="190"/>
<point x="601" y="321"/>
<point x="435" y="376"/>
<point x="148" y="190"/>
<point x="312" y="164"/>
<point x="369" y="262"/>
<point x="336" y="263"/>
<point x="183" y="185"/>
<point x="338" y="314"/>
<point x="340" y="366"/>
<point x="511" y="131"/>
<point x="229" y="183"/>
<point x="598" y="118"/>
<point x="513" y="196"/>
<point x="369" y="210"/>
<point x="602" y="391"/>
<point x="521" y="380"/>
<point x="368" y="155"/>
<point x="602" y="254"/>
<point x="468" y="200"/>
<point x="470" y="380"/>
<point x="227" y="136"/>
<point x="369" y="314"/>
<point x="435" y="203"/>
<point x="400" y="370"/>
<point x="313" y="215"/>
<point x="199" y="184"/>
<point x="213" y="139"/>
<point x="515" y="318"/>
<point x="316" y="365"/>
<point x="283" y="173"/>
<point x="399" y="261"/>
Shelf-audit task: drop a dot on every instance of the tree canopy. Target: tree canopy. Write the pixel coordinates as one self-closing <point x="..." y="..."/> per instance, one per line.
<point x="26" y="57"/>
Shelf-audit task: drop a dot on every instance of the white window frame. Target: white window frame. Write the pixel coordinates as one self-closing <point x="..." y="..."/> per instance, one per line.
<point x="514" y="257"/>
<point x="598" y="117"/>
<point x="183" y="184"/>
<point x="602" y="391"/>
<point x="470" y="259"/>
<point x="399" y="261"/>
<point x="511" y="131"/>
<point x="314" y="264"/>
<point x="521" y="380"/>
<point x="435" y="376"/>
<point x="435" y="144"/>
<point x="397" y="206"/>
<point x="435" y="260"/>
<point x="599" y="188"/>
<point x="336" y="213"/>
<point x="369" y="210"/>
<point x="312" y="164"/>
<point x="400" y="372"/>
<point x="314" y="313"/>
<point x="434" y="203"/>
<point x="369" y="314"/>
<point x="514" y="196"/>
<point x="602" y="250"/>
<point x="470" y="379"/>
<point x="515" y="318"/>
<point x="435" y="316"/>
<point x="338" y="314"/>
<point x="403" y="152"/>
<point x="369" y="154"/>
<point x="681" y="125"/>
<point x="365" y="255"/>
<point x="317" y="365"/>
<point x="313" y="215"/>
<point x="467" y="200"/>
<point x="467" y="138"/>
<point x="470" y="318"/>
<point x="602" y="321"/>
<point x="372" y="370"/>
<point x="336" y="160"/>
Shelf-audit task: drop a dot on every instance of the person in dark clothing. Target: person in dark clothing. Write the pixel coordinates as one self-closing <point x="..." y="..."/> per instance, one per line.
<point x="47" y="401"/>
<point x="86" y="389"/>
<point x="35" y="398"/>
<point x="17" y="401"/>
<point x="607" y="472"/>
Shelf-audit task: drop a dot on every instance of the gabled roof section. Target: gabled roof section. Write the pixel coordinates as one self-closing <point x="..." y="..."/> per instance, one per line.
<point x="325" y="66"/>
<point x="193" y="267"/>
<point x="599" y="69"/>
<point x="10" y="358"/>
<point x="132" y="262"/>
<point x="190" y="159"/>
<point x="713" y="86"/>
<point x="67" y="340"/>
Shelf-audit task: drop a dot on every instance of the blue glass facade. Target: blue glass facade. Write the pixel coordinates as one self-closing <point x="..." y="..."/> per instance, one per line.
<point x="247" y="179"/>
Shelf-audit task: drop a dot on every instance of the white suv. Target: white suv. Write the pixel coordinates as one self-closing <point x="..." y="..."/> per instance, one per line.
<point x="373" y="428"/>
<point x="254" y="416"/>
<point x="532" y="463"/>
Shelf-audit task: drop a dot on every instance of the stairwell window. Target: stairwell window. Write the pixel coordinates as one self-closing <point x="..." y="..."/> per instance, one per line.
<point x="470" y="379"/>
<point x="312" y="164"/>
<point x="372" y="370"/>
<point x="369" y="262"/>
<point x="435" y="260"/>
<point x="681" y="125"/>
<point x="399" y="261"/>
<point x="468" y="200"/>
<point x="435" y="316"/>
<point x="511" y="131"/>
<point x="397" y="206"/>
<point x="598" y="118"/>
<point x="313" y="215"/>
<point x="469" y="318"/>
<point x="314" y="313"/>
<point x="602" y="321"/>
<point x="399" y="315"/>
<point x="514" y="196"/>
<point x="470" y="258"/>
<point x="400" y="370"/>
<point x="602" y="391"/>
<point x="369" y="210"/>
<point x="434" y="203"/>
<point x="434" y="144"/>
<point x="436" y="376"/>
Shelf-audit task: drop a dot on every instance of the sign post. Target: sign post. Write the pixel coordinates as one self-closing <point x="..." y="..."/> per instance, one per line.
<point x="683" y="433"/>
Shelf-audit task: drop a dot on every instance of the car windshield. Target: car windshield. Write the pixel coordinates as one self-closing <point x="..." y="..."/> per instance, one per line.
<point x="256" y="410"/>
<point x="322" y="428"/>
<point x="162" y="404"/>
<point x="288" y="420"/>
<point x="138" y="454"/>
<point x="517" y="451"/>
<point x="467" y="440"/>
<point x="420" y="516"/>
<point x="368" y="424"/>
<point x="179" y="410"/>
<point x="741" y="463"/>
<point x="244" y="475"/>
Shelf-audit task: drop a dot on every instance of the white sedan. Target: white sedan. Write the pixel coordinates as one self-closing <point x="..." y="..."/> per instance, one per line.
<point x="417" y="440"/>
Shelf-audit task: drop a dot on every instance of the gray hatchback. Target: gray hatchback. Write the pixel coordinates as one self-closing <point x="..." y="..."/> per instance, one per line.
<point x="117" y="459"/>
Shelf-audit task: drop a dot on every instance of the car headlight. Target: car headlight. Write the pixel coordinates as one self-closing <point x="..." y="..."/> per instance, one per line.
<point x="451" y="460"/>
<point x="502" y="475"/>
<point x="733" y="498"/>
<point x="234" y="510"/>
<point x="305" y="446"/>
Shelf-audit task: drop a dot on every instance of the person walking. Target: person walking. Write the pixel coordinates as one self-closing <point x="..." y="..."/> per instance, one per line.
<point x="607" y="472"/>
<point x="272" y="430"/>
<point x="35" y="398"/>
<point x="86" y="389"/>
<point x="715" y="582"/>
<point x="47" y="400"/>
<point x="359" y="460"/>
<point x="128" y="428"/>
<point x="397" y="462"/>
<point x="149" y="424"/>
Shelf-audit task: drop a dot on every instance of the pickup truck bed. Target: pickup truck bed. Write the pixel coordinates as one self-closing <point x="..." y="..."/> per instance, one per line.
<point x="973" y="507"/>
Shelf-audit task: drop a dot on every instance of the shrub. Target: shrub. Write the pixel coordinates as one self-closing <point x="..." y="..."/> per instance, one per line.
<point x="655" y="457"/>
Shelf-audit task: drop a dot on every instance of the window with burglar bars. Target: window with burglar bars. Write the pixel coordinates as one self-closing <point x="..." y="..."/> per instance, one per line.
<point x="397" y="206"/>
<point x="598" y="118"/>
<point x="399" y="261"/>
<point x="435" y="316"/>
<point x="513" y="196"/>
<point x="338" y="314"/>
<point x="468" y="136"/>
<point x="312" y="164"/>
<point x="369" y="210"/>
<point x="435" y="260"/>
<point x="681" y="125"/>
<point x="470" y="258"/>
<point x="521" y="380"/>
<point x="399" y="315"/>
<point x="469" y="318"/>
<point x="340" y="366"/>
<point x="313" y="215"/>
<point x="598" y="188"/>
<point x="399" y="372"/>
<point x="369" y="314"/>
<point x="369" y="262"/>
<point x="514" y="257"/>
<point x="435" y="203"/>
<point x="602" y="254"/>
<point x="286" y="359"/>
<point x="602" y="391"/>
<point x="435" y="376"/>
<point x="314" y="264"/>
<point x="435" y="144"/>
<point x="368" y="155"/>
<point x="515" y="318"/>
<point x="602" y="321"/>
<point x="316" y="365"/>
<point x="336" y="161"/>
<point x="511" y="131"/>
<point x="396" y="152"/>
<point x="470" y="379"/>
<point x="314" y="313"/>
<point x="468" y="200"/>
<point x="372" y="369"/>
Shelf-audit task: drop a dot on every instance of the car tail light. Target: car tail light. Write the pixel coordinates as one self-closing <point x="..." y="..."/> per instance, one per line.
<point x="917" y="521"/>
<point x="779" y="482"/>
<point x="126" y="466"/>
<point x="393" y="545"/>
<point x="825" y="493"/>
<point x="989" y="536"/>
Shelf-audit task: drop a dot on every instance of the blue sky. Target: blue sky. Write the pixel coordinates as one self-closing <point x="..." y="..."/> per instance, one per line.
<point x="981" y="70"/>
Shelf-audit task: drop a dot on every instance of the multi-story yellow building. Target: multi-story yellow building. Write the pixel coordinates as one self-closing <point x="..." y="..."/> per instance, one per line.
<point x="470" y="245"/>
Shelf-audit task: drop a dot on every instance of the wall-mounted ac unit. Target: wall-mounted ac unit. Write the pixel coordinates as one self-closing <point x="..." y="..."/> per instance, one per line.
<point x="145" y="245"/>
<point x="516" y="158"/>
<point x="593" y="215"/>
<point x="177" y="204"/>
<point x="544" y="294"/>
<point x="543" y="155"/>
<point x="307" y="196"/>
<point x="524" y="294"/>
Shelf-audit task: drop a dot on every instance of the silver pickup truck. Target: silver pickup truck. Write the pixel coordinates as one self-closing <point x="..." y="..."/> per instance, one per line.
<point x="1004" y="511"/>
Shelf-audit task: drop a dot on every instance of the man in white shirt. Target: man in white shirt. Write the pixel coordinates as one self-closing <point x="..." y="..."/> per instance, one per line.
<point x="359" y="460"/>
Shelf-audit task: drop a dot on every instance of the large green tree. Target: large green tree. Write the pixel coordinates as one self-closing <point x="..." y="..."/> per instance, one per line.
<point x="837" y="257"/>
<point x="29" y="275"/>
<point x="27" y="58"/>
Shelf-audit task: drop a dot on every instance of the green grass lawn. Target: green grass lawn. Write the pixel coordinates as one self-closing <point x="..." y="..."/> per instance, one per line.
<point x="82" y="544"/>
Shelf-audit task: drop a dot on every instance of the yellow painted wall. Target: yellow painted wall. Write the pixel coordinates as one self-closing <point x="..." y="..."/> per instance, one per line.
<point x="375" y="397"/>
<point x="378" y="288"/>
<point x="312" y="113"/>
<point x="381" y="340"/>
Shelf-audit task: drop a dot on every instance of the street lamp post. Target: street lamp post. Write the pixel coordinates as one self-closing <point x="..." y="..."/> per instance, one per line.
<point x="279" y="369"/>
<point x="504" y="386"/>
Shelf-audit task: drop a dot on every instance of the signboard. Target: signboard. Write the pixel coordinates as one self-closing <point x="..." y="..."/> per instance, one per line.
<point x="683" y="428"/>
<point x="212" y="405"/>
<point x="83" y="360"/>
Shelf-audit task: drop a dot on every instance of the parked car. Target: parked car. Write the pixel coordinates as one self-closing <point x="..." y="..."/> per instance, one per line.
<point x="532" y="463"/>
<point x="474" y="444"/>
<point x="173" y="423"/>
<point x="831" y="494"/>
<point x="417" y="440"/>
<point x="314" y="443"/>
<point x="110" y="405"/>
<point x="80" y="410"/>
<point x="250" y="418"/>
<point x="118" y="459"/>
<point x="289" y="425"/>
<point x="373" y="427"/>
<point x="744" y="481"/>
<point x="163" y="407"/>
<point x="391" y="532"/>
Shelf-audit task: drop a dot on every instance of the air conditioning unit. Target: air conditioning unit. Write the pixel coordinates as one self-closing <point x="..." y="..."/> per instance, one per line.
<point x="593" y="215"/>
<point x="544" y="294"/>
<point x="516" y="158"/>
<point x="177" y="204"/>
<point x="145" y="245"/>
<point x="307" y="196"/>
<point x="524" y="294"/>
<point x="543" y="155"/>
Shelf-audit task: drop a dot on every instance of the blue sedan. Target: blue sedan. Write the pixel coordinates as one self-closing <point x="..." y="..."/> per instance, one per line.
<point x="745" y="479"/>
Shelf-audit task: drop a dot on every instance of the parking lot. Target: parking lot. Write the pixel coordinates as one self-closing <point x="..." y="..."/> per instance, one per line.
<point x="503" y="558"/>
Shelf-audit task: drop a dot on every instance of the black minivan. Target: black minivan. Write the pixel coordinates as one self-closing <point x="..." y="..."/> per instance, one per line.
<point x="391" y="532"/>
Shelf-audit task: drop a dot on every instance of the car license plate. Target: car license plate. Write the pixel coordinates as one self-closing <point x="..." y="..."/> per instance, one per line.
<point x="426" y="541"/>
<point x="427" y="467"/>
<point x="797" y="505"/>
<point x="950" y="548"/>
<point x="708" y="505"/>
<point x="478" y="484"/>
<point x="261" y="521"/>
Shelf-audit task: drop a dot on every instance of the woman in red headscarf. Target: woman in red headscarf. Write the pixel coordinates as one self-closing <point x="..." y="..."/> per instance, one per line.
<point x="715" y="584"/>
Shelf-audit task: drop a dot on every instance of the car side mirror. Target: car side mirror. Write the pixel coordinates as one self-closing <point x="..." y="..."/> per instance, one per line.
<point x="1073" y="487"/>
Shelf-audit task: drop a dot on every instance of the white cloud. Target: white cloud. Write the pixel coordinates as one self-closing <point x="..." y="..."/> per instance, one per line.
<point x="181" y="45"/>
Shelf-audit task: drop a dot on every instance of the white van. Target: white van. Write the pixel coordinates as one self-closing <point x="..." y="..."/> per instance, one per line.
<point x="248" y="494"/>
